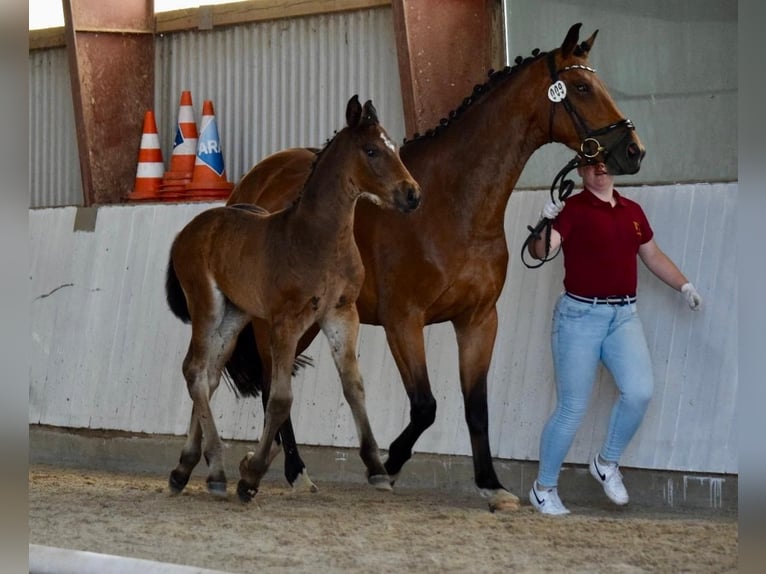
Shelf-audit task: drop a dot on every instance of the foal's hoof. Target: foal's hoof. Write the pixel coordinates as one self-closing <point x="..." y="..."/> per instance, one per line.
<point x="177" y="481"/>
<point x="500" y="499"/>
<point x="246" y="492"/>
<point x="380" y="482"/>
<point x="216" y="488"/>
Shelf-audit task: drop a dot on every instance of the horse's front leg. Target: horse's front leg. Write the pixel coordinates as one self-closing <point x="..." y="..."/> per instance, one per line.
<point x="476" y="339"/>
<point x="405" y="339"/>
<point x="255" y="464"/>
<point x="341" y="327"/>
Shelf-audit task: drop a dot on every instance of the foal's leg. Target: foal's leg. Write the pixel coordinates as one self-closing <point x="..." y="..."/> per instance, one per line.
<point x="341" y="326"/>
<point x="255" y="464"/>
<point x="190" y="455"/>
<point x="214" y="328"/>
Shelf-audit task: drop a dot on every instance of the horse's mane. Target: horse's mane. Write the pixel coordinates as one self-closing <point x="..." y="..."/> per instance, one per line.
<point x="495" y="77"/>
<point x="318" y="152"/>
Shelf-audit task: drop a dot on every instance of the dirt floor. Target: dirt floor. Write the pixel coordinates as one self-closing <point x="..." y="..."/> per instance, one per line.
<point x="354" y="528"/>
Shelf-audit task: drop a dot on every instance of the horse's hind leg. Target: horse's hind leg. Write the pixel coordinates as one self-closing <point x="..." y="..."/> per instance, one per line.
<point x="214" y="331"/>
<point x="190" y="456"/>
<point x="475" y="340"/>
<point x="341" y="328"/>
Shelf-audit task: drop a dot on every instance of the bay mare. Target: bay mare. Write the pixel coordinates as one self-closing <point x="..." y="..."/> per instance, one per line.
<point x="448" y="261"/>
<point x="290" y="269"/>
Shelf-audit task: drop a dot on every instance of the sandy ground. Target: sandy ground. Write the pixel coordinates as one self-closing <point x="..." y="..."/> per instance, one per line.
<point x="353" y="528"/>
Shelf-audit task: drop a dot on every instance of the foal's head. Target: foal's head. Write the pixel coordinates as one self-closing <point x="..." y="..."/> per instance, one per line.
<point x="373" y="166"/>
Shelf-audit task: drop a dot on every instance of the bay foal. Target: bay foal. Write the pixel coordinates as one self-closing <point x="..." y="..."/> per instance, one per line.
<point x="289" y="270"/>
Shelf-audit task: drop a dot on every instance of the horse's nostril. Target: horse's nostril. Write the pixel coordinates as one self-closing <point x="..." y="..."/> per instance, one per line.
<point x="413" y="197"/>
<point x="634" y="150"/>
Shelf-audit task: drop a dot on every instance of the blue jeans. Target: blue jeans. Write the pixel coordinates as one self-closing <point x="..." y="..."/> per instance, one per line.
<point x="582" y="335"/>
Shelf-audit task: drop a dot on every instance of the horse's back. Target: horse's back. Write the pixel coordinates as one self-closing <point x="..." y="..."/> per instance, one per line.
<point x="275" y="182"/>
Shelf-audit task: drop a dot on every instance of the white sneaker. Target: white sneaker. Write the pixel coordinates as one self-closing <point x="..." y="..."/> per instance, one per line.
<point x="610" y="477"/>
<point x="547" y="501"/>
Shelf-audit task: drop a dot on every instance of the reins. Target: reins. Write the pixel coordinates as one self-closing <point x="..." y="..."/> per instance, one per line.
<point x="565" y="189"/>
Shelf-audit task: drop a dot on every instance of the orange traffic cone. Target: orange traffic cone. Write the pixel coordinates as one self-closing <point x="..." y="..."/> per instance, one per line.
<point x="184" y="151"/>
<point x="209" y="176"/>
<point x="150" y="164"/>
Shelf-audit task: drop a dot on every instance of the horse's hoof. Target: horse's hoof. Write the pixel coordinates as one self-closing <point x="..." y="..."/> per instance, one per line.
<point x="177" y="482"/>
<point x="391" y="476"/>
<point x="380" y="482"/>
<point x="216" y="488"/>
<point x="500" y="499"/>
<point x="245" y="492"/>
<point x="303" y="483"/>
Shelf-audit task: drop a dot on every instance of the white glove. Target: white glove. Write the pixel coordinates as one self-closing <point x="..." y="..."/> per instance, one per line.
<point x="552" y="209"/>
<point x="692" y="297"/>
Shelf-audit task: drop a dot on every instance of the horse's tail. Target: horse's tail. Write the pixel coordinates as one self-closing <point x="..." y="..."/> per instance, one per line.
<point x="175" y="295"/>
<point x="244" y="369"/>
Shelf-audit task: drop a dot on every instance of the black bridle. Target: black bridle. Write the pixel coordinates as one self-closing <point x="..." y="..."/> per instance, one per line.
<point x="590" y="145"/>
<point x="591" y="150"/>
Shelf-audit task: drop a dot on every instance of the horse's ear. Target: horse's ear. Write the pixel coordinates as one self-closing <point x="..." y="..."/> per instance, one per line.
<point x="369" y="114"/>
<point x="585" y="46"/>
<point x="353" y="112"/>
<point x="570" y="42"/>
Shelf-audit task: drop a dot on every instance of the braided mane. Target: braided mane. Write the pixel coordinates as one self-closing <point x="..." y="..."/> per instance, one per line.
<point x="495" y="77"/>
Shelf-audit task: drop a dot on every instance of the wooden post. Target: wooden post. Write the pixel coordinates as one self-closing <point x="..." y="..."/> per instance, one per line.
<point x="110" y="45"/>
<point x="444" y="47"/>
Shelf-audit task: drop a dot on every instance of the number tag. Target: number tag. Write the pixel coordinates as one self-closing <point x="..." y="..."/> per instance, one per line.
<point x="557" y="91"/>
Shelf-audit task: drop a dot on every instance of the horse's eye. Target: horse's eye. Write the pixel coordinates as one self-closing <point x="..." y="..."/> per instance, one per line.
<point x="371" y="151"/>
<point x="582" y="88"/>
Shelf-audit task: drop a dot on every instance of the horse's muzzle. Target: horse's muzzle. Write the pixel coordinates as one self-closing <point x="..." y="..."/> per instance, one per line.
<point x="625" y="157"/>
<point x="408" y="199"/>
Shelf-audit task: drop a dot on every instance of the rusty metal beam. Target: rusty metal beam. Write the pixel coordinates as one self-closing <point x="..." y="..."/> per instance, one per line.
<point x="110" y="45"/>
<point x="444" y="48"/>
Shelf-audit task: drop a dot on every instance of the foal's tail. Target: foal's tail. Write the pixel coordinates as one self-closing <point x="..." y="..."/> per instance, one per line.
<point x="175" y="295"/>
<point x="244" y="369"/>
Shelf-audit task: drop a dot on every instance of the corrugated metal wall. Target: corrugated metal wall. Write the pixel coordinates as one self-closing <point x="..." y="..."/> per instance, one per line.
<point x="273" y="84"/>
<point x="107" y="351"/>
<point x="54" y="165"/>
<point x="282" y="83"/>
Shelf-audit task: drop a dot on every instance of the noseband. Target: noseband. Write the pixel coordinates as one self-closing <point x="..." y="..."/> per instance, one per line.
<point x="590" y="144"/>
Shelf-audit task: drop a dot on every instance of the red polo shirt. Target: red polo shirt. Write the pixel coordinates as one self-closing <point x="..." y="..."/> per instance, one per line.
<point x="600" y="244"/>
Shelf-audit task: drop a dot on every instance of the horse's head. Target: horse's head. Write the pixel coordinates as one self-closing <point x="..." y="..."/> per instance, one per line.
<point x="377" y="170"/>
<point x="583" y="114"/>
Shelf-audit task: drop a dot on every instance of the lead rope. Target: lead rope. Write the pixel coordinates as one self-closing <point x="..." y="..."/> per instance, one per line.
<point x="565" y="189"/>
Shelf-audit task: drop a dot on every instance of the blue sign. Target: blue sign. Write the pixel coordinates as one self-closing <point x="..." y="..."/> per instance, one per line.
<point x="209" y="148"/>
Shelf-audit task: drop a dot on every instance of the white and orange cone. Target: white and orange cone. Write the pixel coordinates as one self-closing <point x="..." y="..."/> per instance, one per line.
<point x="209" y="176"/>
<point x="184" y="149"/>
<point x="150" y="165"/>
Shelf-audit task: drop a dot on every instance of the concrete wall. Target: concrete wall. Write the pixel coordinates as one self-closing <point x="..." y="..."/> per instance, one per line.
<point x="107" y="351"/>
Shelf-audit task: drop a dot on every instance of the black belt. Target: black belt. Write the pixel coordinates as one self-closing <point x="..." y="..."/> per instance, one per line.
<point x="618" y="300"/>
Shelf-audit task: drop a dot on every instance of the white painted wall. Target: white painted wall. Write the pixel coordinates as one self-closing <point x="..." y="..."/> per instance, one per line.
<point x="107" y="351"/>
